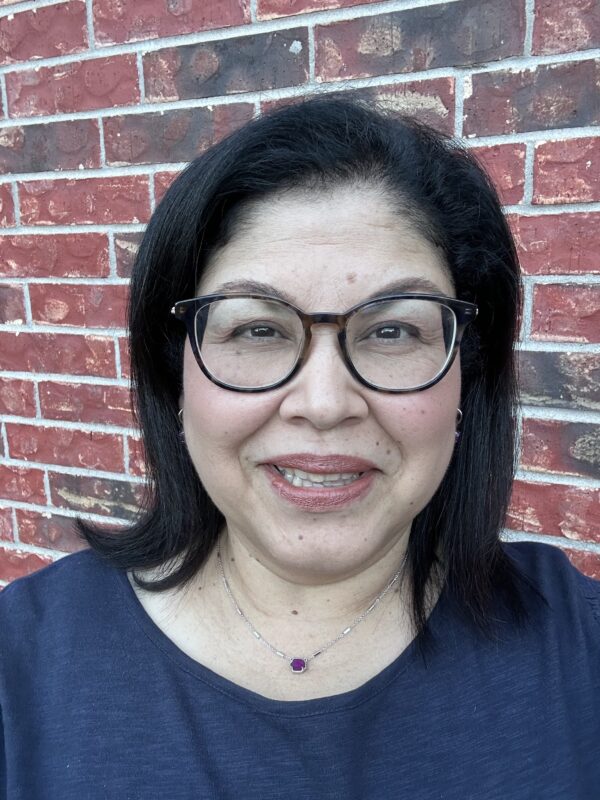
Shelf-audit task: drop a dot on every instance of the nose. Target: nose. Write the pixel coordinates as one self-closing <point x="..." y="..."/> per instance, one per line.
<point x="324" y="392"/>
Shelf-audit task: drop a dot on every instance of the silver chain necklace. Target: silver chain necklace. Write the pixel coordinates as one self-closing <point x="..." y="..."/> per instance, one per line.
<point x="297" y="664"/>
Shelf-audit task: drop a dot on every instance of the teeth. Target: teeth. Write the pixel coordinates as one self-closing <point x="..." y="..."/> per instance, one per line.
<point x="297" y="477"/>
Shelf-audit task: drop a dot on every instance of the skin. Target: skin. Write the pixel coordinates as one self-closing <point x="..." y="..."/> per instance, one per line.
<point x="302" y="577"/>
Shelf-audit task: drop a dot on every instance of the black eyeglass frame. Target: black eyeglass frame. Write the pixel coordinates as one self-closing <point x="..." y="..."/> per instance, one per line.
<point x="185" y="311"/>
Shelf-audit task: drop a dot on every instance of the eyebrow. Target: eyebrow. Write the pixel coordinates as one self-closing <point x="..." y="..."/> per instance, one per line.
<point x="412" y="284"/>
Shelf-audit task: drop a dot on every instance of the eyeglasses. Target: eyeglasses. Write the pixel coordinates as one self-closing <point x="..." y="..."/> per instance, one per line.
<point x="253" y="343"/>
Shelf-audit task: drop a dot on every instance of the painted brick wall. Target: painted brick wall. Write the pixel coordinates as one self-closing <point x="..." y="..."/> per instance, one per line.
<point x="103" y="101"/>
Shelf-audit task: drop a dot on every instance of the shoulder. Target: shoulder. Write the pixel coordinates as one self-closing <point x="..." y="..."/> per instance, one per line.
<point x="572" y="597"/>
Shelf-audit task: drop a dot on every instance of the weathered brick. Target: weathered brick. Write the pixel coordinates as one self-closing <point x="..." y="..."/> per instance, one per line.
<point x="561" y="380"/>
<point x="18" y="563"/>
<point x="100" y="306"/>
<point x="126" y="247"/>
<point x="136" y="456"/>
<point x="162" y="181"/>
<point x="6" y="524"/>
<point x="57" y="145"/>
<point x="124" y="357"/>
<point x="585" y="561"/>
<point x="77" y="86"/>
<point x="48" y="530"/>
<point x="17" y="397"/>
<point x="22" y="483"/>
<point x="84" y="402"/>
<point x="12" y="304"/>
<point x="449" y="34"/>
<point x="566" y="448"/>
<point x="505" y="164"/>
<point x="7" y="208"/>
<point x="66" y="446"/>
<point x="43" y="32"/>
<point x="172" y="136"/>
<point x="555" y="510"/>
<point x="564" y="95"/>
<point x="131" y="21"/>
<point x="562" y="26"/>
<point x="567" y="172"/>
<point x="242" y="64"/>
<point x="91" y="495"/>
<point x="554" y="244"/>
<point x="268" y="9"/>
<point x="87" y="200"/>
<point x="57" y="353"/>
<point x="430" y="101"/>
<point x="566" y="312"/>
<point x="73" y="255"/>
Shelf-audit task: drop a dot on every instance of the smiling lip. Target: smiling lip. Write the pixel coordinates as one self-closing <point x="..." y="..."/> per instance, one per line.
<point x="326" y="498"/>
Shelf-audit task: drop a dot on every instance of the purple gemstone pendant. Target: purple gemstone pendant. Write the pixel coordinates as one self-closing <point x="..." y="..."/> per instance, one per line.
<point x="298" y="665"/>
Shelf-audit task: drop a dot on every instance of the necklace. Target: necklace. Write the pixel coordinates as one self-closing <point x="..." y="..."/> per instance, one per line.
<point x="297" y="664"/>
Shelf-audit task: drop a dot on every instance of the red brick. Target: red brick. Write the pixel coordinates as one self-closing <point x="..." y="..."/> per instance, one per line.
<point x="17" y="397"/>
<point x="136" y="456"/>
<point x="125" y="357"/>
<point x="126" y="247"/>
<point x="44" y="529"/>
<point x="567" y="172"/>
<point x="84" y="402"/>
<point x="268" y="9"/>
<point x="91" y="495"/>
<point x="57" y="145"/>
<point x="445" y="35"/>
<point x="43" y="32"/>
<point x="18" y="563"/>
<point x="566" y="448"/>
<point x="72" y="255"/>
<point x="562" y="95"/>
<point x="12" y="304"/>
<point x="6" y="524"/>
<point x="560" y="380"/>
<point x="77" y="86"/>
<point x="566" y="312"/>
<point x="7" y="208"/>
<point x="77" y="304"/>
<point x="22" y="483"/>
<point x="430" y="101"/>
<point x="555" y="510"/>
<point x="172" y="136"/>
<point x="87" y="200"/>
<point x="241" y="64"/>
<point x="132" y="21"/>
<point x="60" y="353"/>
<point x="585" y="561"/>
<point x="66" y="446"/>
<point x="562" y="26"/>
<point x="505" y="164"/>
<point x="162" y="181"/>
<point x="554" y="244"/>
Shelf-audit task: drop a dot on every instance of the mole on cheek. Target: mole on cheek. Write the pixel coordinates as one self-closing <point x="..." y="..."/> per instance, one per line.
<point x="351" y="277"/>
<point x="300" y="536"/>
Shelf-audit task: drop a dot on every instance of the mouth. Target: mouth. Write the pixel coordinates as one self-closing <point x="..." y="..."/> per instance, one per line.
<point x="317" y="480"/>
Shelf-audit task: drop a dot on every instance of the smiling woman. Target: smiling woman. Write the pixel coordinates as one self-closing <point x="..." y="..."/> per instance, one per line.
<point x="315" y="600"/>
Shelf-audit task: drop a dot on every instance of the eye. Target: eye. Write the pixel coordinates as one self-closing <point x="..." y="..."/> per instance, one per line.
<point x="257" y="332"/>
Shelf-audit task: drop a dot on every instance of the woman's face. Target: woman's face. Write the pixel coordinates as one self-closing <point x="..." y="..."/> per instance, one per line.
<point x="327" y="252"/>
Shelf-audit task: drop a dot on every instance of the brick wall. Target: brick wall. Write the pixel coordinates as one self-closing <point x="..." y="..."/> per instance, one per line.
<point x="104" y="101"/>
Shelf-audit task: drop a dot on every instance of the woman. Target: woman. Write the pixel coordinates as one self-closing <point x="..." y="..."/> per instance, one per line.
<point x="315" y="601"/>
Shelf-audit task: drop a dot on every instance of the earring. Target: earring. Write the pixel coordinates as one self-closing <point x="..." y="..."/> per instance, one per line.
<point x="459" y="416"/>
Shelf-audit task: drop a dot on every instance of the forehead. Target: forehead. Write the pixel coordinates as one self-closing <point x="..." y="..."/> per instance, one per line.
<point x="327" y="249"/>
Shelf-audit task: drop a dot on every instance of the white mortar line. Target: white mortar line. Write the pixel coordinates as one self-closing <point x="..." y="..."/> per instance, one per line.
<point x="5" y="442"/>
<point x="59" y="281"/>
<point x="559" y="414"/>
<point x="17" y="206"/>
<point x="46" y="230"/>
<point x="141" y="79"/>
<point x="459" y="102"/>
<point x="15" y="528"/>
<point x="62" y="377"/>
<point x="102" y="149"/>
<point x="556" y="541"/>
<point x="47" y="487"/>
<point x="118" y="361"/>
<point x="69" y="330"/>
<point x="75" y="471"/>
<point x="566" y="279"/>
<point x="3" y="94"/>
<point x="525" y="332"/>
<point x="558" y="209"/>
<point x="89" y="13"/>
<point x="576" y="481"/>
<point x="126" y="465"/>
<point x="529" y="21"/>
<point x="27" y="301"/>
<point x="31" y="5"/>
<point x="528" y="168"/>
<point x="38" y="402"/>
<point x="253" y="11"/>
<point x="559" y="347"/>
<point x="112" y="265"/>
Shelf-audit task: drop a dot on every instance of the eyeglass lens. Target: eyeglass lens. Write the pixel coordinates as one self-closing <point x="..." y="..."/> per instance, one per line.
<point x="393" y="344"/>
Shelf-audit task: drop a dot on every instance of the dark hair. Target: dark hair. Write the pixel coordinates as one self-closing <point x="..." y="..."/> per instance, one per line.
<point x="324" y="141"/>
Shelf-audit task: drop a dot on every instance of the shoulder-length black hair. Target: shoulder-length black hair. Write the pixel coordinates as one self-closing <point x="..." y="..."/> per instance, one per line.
<point x="324" y="141"/>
